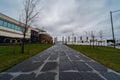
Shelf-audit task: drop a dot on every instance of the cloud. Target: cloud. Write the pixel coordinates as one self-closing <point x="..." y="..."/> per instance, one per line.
<point x="11" y="8"/>
<point x="64" y="17"/>
<point x="76" y="16"/>
<point x="69" y="14"/>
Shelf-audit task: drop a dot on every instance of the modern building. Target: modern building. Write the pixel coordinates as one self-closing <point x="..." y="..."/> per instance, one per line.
<point x="44" y="37"/>
<point x="34" y="35"/>
<point x="11" y="31"/>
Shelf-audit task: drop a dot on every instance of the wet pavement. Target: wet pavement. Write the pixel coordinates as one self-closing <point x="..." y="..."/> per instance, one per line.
<point x="59" y="63"/>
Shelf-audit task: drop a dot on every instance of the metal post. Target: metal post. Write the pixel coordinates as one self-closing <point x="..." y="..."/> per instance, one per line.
<point x="112" y="28"/>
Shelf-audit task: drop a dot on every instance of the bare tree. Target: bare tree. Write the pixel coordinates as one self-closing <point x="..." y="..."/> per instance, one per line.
<point x="68" y="39"/>
<point x="101" y="36"/>
<point x="91" y="34"/>
<point x="28" y="16"/>
<point x="92" y="38"/>
<point x="63" y="40"/>
<point x="88" y="35"/>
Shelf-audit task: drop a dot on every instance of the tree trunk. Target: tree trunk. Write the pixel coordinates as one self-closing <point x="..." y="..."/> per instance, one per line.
<point x="23" y="43"/>
<point x="93" y="42"/>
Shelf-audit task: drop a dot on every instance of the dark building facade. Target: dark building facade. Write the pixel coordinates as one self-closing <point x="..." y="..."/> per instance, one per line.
<point x="34" y="36"/>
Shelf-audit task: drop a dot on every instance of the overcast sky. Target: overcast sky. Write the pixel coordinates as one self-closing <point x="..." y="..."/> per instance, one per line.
<point x="65" y="17"/>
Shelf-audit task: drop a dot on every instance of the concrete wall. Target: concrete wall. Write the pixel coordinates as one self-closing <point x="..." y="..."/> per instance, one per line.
<point x="13" y="33"/>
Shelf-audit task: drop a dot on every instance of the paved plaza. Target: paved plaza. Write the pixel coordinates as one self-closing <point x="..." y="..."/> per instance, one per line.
<point x="59" y="63"/>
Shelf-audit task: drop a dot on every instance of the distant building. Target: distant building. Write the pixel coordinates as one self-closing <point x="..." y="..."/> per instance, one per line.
<point x="34" y="35"/>
<point x="110" y="42"/>
<point x="55" y="40"/>
<point x="68" y="38"/>
<point x="118" y="42"/>
<point x="44" y="37"/>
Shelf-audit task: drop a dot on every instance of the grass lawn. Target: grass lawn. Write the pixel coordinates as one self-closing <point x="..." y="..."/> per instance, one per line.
<point x="11" y="55"/>
<point x="106" y="55"/>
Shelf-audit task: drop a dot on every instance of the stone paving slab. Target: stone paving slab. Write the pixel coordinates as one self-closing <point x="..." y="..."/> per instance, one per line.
<point x="53" y="57"/>
<point x="63" y="58"/>
<point x="46" y="76"/>
<point x="79" y="76"/>
<point x="70" y="76"/>
<point x="111" y="76"/>
<point x="66" y="65"/>
<point x="84" y="58"/>
<point x="73" y="57"/>
<point x="59" y="63"/>
<point x="98" y="66"/>
<point x="25" y="77"/>
<point x="5" y="76"/>
<point x="50" y="66"/>
<point x="90" y="76"/>
<point x="26" y="67"/>
<point x="81" y="66"/>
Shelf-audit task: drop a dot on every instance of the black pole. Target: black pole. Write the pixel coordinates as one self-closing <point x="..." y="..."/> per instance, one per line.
<point x="112" y="28"/>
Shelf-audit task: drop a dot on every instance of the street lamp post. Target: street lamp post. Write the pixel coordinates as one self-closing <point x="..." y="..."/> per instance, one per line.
<point x="112" y="28"/>
<point x="111" y="12"/>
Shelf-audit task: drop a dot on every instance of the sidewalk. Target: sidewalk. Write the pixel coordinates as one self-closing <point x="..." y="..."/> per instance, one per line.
<point x="59" y="63"/>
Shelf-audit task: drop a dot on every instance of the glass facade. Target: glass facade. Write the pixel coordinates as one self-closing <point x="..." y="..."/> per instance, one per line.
<point x="5" y="24"/>
<point x="1" y="22"/>
<point x="10" y="25"/>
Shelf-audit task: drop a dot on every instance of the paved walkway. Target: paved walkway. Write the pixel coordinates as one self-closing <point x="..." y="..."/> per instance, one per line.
<point x="59" y="63"/>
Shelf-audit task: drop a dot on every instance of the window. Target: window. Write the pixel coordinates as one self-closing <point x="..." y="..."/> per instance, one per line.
<point x="19" y="28"/>
<point x="5" y="24"/>
<point x="9" y="25"/>
<point x="22" y="29"/>
<point x="1" y="22"/>
<point x="13" y="26"/>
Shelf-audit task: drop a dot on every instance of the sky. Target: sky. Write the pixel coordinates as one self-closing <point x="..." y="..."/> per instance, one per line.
<point x="67" y="17"/>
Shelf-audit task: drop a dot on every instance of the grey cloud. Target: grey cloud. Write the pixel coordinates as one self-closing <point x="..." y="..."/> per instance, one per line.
<point x="62" y="17"/>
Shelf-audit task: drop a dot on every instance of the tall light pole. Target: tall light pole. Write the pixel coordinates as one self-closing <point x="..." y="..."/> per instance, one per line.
<point x="112" y="28"/>
<point x="111" y="12"/>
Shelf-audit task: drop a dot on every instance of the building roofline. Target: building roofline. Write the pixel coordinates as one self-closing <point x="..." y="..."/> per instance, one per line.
<point x="14" y="21"/>
<point x="8" y="17"/>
